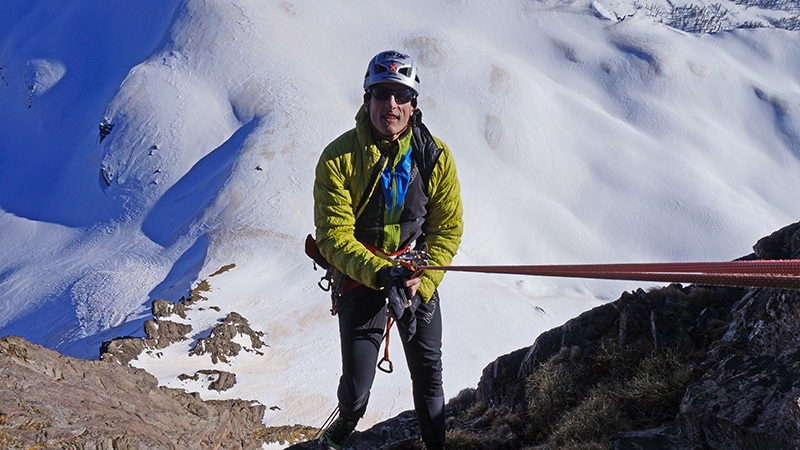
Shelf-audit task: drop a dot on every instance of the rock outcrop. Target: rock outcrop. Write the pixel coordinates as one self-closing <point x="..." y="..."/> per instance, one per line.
<point x="740" y="368"/>
<point x="216" y="380"/>
<point x="221" y="344"/>
<point x="160" y="333"/>
<point x="50" y="400"/>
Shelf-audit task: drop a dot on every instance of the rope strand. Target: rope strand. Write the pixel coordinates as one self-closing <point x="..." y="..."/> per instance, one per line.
<point x="327" y="423"/>
<point x="784" y="274"/>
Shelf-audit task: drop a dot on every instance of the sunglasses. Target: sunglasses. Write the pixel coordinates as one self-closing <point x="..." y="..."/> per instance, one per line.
<point x="401" y="96"/>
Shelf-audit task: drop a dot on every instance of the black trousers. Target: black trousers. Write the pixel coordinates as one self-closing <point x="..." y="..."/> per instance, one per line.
<point x="362" y="320"/>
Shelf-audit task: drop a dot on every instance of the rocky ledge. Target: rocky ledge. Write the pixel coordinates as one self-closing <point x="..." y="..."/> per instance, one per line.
<point x="53" y="401"/>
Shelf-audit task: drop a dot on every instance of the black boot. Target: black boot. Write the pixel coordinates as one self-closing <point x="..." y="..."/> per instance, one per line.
<point x="337" y="433"/>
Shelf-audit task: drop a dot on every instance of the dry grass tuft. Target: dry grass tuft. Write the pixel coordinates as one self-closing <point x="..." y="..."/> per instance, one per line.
<point x="285" y="434"/>
<point x="578" y="400"/>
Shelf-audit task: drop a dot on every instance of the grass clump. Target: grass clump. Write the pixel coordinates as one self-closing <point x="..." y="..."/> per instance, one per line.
<point x="578" y="400"/>
<point x="285" y="434"/>
<point x="580" y="405"/>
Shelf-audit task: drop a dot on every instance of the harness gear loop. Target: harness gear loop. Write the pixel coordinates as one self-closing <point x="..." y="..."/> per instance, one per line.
<point x="414" y="258"/>
<point x="337" y="288"/>
<point x="385" y="358"/>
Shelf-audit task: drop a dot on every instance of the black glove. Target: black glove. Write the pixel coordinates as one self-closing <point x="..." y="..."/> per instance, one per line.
<point x="393" y="280"/>
<point x="407" y="323"/>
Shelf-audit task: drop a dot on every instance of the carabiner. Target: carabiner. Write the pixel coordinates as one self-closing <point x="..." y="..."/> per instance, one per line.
<point x="390" y="369"/>
<point x="326" y="287"/>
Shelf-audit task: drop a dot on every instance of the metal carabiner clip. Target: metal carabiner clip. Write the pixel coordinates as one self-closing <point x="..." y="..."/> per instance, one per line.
<point x="327" y="286"/>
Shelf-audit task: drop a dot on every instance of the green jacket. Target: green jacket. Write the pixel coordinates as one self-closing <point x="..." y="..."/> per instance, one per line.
<point x="342" y="175"/>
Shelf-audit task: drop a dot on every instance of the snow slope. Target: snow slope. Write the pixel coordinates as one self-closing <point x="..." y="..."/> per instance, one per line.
<point x="586" y="131"/>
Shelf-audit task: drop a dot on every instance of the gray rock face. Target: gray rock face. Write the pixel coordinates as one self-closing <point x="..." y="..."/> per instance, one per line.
<point x="54" y="401"/>
<point x="745" y="402"/>
<point x="748" y="394"/>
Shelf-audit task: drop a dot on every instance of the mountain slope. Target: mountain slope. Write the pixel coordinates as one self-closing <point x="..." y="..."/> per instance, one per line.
<point x="583" y="132"/>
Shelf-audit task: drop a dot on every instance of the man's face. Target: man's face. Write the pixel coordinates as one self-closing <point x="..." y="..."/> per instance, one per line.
<point x="388" y="117"/>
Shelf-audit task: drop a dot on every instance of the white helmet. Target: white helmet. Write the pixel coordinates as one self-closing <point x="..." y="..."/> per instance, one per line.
<point x="392" y="67"/>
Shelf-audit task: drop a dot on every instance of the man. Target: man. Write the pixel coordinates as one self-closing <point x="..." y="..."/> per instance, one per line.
<point x="383" y="188"/>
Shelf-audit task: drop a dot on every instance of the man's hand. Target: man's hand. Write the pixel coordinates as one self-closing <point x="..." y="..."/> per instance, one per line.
<point x="393" y="280"/>
<point x="412" y="284"/>
<point x="402" y="297"/>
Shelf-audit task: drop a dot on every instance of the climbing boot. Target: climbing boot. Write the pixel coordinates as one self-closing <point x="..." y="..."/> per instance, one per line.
<point x="337" y="433"/>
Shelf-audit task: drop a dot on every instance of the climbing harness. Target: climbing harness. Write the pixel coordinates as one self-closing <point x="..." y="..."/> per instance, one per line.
<point x="782" y="274"/>
<point x="337" y="283"/>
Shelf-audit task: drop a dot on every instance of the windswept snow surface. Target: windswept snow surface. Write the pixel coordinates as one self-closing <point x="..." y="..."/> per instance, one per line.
<point x="584" y="132"/>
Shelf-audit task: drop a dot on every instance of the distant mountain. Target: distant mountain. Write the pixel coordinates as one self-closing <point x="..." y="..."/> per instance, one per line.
<point x="707" y="16"/>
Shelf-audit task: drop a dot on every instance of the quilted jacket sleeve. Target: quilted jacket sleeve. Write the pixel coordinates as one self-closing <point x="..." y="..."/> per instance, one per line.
<point x="336" y="182"/>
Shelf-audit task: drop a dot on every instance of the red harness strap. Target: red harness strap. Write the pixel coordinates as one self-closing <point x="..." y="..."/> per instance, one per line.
<point x="349" y="284"/>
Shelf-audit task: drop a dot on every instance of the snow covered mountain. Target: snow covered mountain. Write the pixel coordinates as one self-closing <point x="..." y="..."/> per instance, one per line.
<point x="584" y="131"/>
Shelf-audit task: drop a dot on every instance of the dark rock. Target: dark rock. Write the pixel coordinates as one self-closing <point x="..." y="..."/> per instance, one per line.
<point x="500" y="382"/>
<point x="662" y="438"/>
<point x="163" y="308"/>
<point x="105" y="128"/>
<point x="743" y="360"/>
<point x="160" y="334"/>
<point x="220" y="345"/>
<point x="782" y="244"/>
<point x="745" y="402"/>
<point x="122" y="350"/>
<point x="766" y="322"/>
<point x="218" y="380"/>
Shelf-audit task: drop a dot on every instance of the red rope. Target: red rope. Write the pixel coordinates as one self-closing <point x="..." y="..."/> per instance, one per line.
<point x="784" y="274"/>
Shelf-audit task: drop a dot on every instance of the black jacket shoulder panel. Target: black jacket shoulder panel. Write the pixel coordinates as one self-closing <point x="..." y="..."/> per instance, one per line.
<point x="426" y="152"/>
